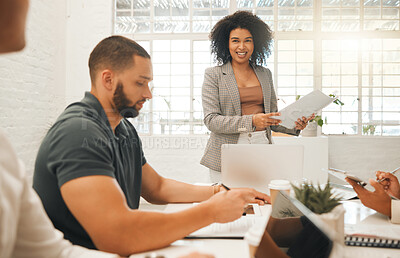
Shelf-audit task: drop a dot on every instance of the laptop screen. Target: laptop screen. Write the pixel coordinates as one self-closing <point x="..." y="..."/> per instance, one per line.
<point x="296" y="230"/>
<point x="255" y="165"/>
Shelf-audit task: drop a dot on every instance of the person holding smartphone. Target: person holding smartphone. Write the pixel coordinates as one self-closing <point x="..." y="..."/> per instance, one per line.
<point x="381" y="199"/>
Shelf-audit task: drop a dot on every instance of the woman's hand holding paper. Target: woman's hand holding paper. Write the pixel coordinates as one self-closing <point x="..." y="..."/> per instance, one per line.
<point x="302" y="123"/>
<point x="262" y="120"/>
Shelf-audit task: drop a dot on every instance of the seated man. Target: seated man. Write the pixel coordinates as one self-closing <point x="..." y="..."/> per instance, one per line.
<point x="90" y="169"/>
<point x="381" y="200"/>
<point x="25" y="229"/>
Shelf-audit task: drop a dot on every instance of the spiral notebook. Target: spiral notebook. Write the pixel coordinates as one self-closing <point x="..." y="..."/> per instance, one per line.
<point x="372" y="236"/>
<point x="371" y="241"/>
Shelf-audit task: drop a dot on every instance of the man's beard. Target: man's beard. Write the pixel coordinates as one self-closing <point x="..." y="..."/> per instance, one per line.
<point x="121" y="103"/>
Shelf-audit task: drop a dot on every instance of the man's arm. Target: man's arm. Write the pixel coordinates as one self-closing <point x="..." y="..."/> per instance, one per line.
<point x="99" y="205"/>
<point x="157" y="189"/>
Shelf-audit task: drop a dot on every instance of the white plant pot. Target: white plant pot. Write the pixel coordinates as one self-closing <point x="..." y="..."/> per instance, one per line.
<point x="310" y="130"/>
<point x="334" y="221"/>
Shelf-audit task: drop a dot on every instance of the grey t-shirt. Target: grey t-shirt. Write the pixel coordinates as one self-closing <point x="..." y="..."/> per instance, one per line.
<point x="82" y="143"/>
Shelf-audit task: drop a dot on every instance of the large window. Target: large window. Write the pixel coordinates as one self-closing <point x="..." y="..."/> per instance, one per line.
<point x="295" y="68"/>
<point x="350" y="48"/>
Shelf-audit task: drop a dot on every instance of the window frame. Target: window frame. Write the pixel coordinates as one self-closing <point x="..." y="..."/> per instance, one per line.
<point x="317" y="35"/>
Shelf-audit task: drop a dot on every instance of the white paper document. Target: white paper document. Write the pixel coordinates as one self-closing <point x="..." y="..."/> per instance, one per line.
<point x="237" y="228"/>
<point x="305" y="106"/>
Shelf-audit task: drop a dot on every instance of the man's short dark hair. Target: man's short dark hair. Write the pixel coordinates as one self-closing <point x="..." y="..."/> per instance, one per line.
<point x="115" y="53"/>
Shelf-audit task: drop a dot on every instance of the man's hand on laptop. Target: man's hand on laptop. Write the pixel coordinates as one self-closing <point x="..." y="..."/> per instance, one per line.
<point x="229" y="205"/>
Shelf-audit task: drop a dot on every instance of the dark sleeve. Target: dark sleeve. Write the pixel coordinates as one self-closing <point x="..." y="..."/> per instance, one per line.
<point x="144" y="161"/>
<point x="77" y="151"/>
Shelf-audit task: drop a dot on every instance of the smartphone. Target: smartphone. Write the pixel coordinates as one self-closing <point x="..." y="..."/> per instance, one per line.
<point x="341" y="174"/>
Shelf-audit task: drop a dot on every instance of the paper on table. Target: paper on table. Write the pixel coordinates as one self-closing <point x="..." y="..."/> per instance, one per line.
<point x="391" y="232"/>
<point x="306" y="106"/>
<point x="237" y="228"/>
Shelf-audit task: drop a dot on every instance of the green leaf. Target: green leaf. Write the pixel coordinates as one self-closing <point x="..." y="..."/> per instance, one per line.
<point x="318" y="200"/>
<point x="336" y="101"/>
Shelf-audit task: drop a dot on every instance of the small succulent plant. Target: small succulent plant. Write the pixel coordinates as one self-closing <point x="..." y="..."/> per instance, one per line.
<point x="319" y="200"/>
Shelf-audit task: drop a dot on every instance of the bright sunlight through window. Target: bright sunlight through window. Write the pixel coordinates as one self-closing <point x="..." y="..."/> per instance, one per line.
<point x="350" y="48"/>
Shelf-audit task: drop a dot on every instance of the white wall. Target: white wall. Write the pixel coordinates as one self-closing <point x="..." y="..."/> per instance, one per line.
<point x="89" y="21"/>
<point x="32" y="86"/>
<point x="364" y="155"/>
<point x="38" y="83"/>
<point x="178" y="157"/>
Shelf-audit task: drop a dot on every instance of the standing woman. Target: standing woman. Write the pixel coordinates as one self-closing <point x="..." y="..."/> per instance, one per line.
<point x="238" y="96"/>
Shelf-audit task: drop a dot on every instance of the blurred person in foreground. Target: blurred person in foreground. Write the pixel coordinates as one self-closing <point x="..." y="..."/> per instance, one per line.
<point x="381" y="199"/>
<point x="25" y="229"/>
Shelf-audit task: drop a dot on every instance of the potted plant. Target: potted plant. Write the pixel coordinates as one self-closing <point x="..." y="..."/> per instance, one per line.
<point x="319" y="200"/>
<point x="368" y="129"/>
<point x="323" y="202"/>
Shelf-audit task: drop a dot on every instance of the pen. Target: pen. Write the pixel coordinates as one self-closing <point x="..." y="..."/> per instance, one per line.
<point x="224" y="186"/>
<point x="392" y="172"/>
<point x="227" y="188"/>
<point x="338" y="170"/>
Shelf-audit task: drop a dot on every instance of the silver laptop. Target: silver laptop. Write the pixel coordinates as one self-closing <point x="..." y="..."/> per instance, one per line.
<point x="255" y="165"/>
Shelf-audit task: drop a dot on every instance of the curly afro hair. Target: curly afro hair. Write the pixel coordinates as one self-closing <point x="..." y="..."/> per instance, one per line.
<point x="262" y="37"/>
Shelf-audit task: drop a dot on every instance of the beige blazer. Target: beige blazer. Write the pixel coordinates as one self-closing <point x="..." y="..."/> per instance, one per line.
<point x="223" y="112"/>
